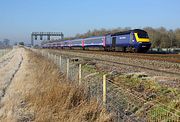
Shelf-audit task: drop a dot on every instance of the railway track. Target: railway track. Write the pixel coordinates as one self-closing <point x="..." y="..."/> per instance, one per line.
<point x="111" y="63"/>
<point x="142" y="67"/>
<point x="174" y="58"/>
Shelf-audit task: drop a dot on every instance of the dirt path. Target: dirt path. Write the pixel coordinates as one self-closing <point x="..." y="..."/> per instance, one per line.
<point x="9" y="66"/>
<point x="4" y="60"/>
<point x="37" y="92"/>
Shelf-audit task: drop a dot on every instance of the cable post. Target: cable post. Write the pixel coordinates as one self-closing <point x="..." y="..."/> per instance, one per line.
<point x="104" y="90"/>
<point x="80" y="75"/>
<point x="67" y="71"/>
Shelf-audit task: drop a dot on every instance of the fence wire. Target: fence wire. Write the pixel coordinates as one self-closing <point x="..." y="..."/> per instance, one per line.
<point x="126" y="106"/>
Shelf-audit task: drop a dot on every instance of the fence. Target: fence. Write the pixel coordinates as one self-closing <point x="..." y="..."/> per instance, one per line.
<point x="125" y="105"/>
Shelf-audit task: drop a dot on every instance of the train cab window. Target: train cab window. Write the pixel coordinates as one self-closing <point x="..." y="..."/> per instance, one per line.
<point x="143" y="35"/>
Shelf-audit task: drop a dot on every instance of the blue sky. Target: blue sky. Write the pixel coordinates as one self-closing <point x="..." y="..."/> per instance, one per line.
<point x="18" y="18"/>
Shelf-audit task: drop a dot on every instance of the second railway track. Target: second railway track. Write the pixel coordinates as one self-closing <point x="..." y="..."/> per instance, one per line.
<point x="113" y="62"/>
<point x="174" y="58"/>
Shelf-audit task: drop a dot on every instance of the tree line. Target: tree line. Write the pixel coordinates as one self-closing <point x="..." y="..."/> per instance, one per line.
<point x="163" y="38"/>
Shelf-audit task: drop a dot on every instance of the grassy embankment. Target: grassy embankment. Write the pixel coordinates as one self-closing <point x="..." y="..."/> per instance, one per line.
<point x="39" y="93"/>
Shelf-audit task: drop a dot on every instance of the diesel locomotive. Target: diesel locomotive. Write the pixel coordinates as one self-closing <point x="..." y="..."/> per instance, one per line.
<point x="136" y="40"/>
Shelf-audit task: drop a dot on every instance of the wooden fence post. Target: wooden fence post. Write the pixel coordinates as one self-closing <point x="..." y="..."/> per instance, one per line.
<point x="104" y="90"/>
<point x="67" y="71"/>
<point x="48" y="55"/>
<point x="52" y="56"/>
<point x="43" y="53"/>
<point x="57" y="60"/>
<point x="80" y="75"/>
<point x="60" y="58"/>
<point x="54" y="59"/>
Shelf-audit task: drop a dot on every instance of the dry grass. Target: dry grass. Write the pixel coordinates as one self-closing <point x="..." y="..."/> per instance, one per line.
<point x="39" y="93"/>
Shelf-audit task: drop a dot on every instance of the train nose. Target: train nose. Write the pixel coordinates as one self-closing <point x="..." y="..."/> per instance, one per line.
<point x="144" y="47"/>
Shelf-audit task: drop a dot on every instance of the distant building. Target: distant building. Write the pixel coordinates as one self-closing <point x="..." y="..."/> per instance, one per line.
<point x="5" y="43"/>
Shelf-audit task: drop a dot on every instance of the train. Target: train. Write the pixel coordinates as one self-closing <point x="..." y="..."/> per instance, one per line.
<point x="136" y="40"/>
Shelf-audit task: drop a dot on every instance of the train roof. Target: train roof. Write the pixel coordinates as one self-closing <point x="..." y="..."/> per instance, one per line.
<point x="128" y="32"/>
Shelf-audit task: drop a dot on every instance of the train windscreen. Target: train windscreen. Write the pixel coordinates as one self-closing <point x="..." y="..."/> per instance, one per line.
<point x="143" y="35"/>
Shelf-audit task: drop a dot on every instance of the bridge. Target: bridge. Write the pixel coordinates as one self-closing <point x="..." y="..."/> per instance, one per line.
<point x="34" y="35"/>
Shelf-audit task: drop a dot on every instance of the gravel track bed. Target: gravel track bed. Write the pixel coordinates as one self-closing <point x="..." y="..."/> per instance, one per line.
<point x="170" y="80"/>
<point x="158" y="65"/>
<point x="174" y="58"/>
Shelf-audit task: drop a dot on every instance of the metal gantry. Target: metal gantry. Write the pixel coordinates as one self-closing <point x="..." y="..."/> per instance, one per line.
<point x="34" y="35"/>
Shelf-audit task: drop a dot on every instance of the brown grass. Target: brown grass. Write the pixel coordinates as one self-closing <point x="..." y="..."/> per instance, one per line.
<point x="40" y="93"/>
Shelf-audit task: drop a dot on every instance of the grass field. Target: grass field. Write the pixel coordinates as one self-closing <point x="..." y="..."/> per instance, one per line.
<point x="38" y="92"/>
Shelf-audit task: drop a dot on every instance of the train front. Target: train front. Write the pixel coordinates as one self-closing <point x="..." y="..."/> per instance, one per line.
<point x="142" y="41"/>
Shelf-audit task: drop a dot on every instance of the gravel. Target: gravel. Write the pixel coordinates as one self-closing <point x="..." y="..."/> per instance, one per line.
<point x="125" y="69"/>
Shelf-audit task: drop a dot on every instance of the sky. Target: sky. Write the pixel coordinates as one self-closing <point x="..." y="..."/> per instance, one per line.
<point x="18" y="18"/>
